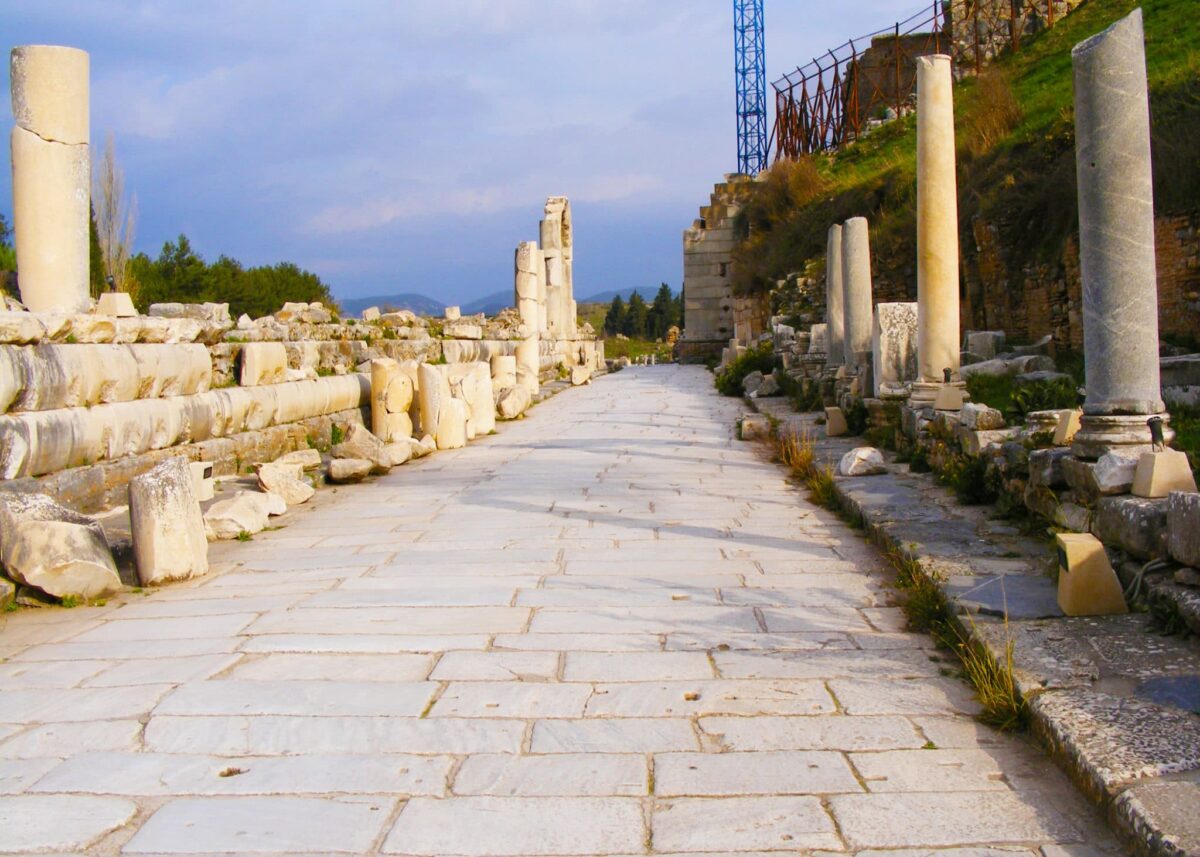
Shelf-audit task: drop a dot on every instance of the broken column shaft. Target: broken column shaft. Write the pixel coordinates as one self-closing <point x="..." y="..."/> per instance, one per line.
<point x="835" y="316"/>
<point x="856" y="289"/>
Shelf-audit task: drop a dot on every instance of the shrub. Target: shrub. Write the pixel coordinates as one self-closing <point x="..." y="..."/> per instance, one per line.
<point x="970" y="478"/>
<point x="760" y="359"/>
<point x="1051" y="394"/>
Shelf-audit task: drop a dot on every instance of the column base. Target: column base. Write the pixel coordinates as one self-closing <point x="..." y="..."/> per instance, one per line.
<point x="1101" y="433"/>
<point x="925" y="393"/>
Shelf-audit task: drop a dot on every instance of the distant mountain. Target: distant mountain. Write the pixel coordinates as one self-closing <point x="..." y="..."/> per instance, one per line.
<point x="646" y="292"/>
<point x="489" y="304"/>
<point x="419" y="304"/>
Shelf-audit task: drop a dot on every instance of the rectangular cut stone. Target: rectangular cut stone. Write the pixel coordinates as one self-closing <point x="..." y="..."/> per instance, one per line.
<point x="362" y="699"/>
<point x="340" y="667"/>
<point x="496" y="666"/>
<point x="930" y="771"/>
<point x="933" y="820"/>
<point x="122" y="630"/>
<point x="67" y="739"/>
<point x="588" y="642"/>
<point x="62" y="674"/>
<point x="790" y="642"/>
<point x="511" y="699"/>
<point x="643" y="620"/>
<point x="17" y="775"/>
<point x="625" y="735"/>
<point x="162" y="670"/>
<point x="564" y="774"/>
<point x="363" y="644"/>
<point x="395" y="620"/>
<point x="36" y="824"/>
<point x="262" y="825"/>
<point x="732" y="774"/>
<point x="925" y="696"/>
<point x="899" y="663"/>
<point x="517" y="827"/>
<point x="626" y="666"/>
<point x="740" y="823"/>
<point x="79" y="704"/>
<point x="171" y="774"/>
<point x="836" y="732"/>
<point x="690" y="698"/>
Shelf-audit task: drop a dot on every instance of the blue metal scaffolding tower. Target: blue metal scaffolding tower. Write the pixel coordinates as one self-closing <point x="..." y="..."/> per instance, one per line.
<point x="750" y="67"/>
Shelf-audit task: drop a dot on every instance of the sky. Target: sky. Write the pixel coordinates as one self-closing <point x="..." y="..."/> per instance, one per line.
<point x="408" y="146"/>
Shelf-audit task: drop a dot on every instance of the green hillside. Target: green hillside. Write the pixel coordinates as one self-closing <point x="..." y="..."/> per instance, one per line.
<point x="1016" y="156"/>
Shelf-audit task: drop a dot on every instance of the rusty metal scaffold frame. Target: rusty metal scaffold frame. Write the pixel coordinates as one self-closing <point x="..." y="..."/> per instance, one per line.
<point x="819" y="106"/>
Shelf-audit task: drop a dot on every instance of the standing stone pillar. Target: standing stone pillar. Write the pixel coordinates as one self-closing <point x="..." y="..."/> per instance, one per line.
<point x="856" y="290"/>
<point x="528" y="259"/>
<point x="835" y="316"/>
<point x="937" y="228"/>
<point x="1116" y="239"/>
<point x="51" y="176"/>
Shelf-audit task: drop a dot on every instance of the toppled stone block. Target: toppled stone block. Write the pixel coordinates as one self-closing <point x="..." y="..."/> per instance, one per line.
<point x="286" y="481"/>
<point x="212" y="313"/>
<point x="752" y="382"/>
<point x="69" y="560"/>
<point x="401" y="452"/>
<point x="463" y="330"/>
<point x="1046" y="467"/>
<point x="980" y="417"/>
<point x="169" y="540"/>
<point x="371" y="313"/>
<point x="513" y="402"/>
<point x="263" y="363"/>
<point x="754" y="427"/>
<point x="768" y="387"/>
<point x="310" y="313"/>
<point x="986" y="343"/>
<point x="21" y="328"/>
<point x="245" y="512"/>
<point x="504" y="371"/>
<point x="306" y="459"/>
<point x="1133" y="524"/>
<point x="452" y="424"/>
<point x="863" y="461"/>
<point x="346" y="470"/>
<point x="1114" y="472"/>
<point x="1183" y="527"/>
<point x="1068" y="425"/>
<point x="835" y="422"/>
<point x="452" y="313"/>
<point x="975" y="443"/>
<point x="360" y="444"/>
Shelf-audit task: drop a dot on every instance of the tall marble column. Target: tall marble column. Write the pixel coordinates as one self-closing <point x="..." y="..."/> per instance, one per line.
<point x="528" y="260"/>
<point x="937" y="228"/>
<point x="51" y="176"/>
<point x="1116" y="239"/>
<point x="856" y="286"/>
<point x="835" y="315"/>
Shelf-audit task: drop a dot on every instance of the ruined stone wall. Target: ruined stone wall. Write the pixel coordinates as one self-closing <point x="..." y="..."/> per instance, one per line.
<point x="983" y="29"/>
<point x="707" y="273"/>
<point x="1035" y="299"/>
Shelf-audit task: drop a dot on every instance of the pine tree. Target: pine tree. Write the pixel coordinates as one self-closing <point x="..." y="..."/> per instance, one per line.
<point x="662" y="313"/>
<point x="636" y="317"/>
<point x="614" y="321"/>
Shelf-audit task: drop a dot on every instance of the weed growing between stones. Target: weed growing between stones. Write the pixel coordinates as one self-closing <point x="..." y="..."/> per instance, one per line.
<point x="970" y="478"/>
<point x="336" y="434"/>
<point x="1003" y="706"/>
<point x="70" y="601"/>
<point x="761" y="359"/>
<point x="244" y="536"/>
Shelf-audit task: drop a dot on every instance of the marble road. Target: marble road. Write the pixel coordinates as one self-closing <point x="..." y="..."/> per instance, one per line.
<point x="610" y="629"/>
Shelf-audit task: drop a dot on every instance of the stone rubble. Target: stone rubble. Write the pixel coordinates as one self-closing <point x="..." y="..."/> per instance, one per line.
<point x="169" y="540"/>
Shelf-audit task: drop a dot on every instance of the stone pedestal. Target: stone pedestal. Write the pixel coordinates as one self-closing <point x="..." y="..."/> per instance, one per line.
<point x="856" y="290"/>
<point x="51" y="176"/>
<point x="835" y="314"/>
<point x="1116" y="239"/>
<point x="937" y="226"/>
<point x="894" y="349"/>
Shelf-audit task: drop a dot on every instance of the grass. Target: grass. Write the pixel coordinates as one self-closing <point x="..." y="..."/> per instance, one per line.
<point x="336" y="434"/>
<point x="1185" y="422"/>
<point x="798" y="454"/>
<point x="244" y="536"/>
<point x="635" y="349"/>
<point x="1016" y="157"/>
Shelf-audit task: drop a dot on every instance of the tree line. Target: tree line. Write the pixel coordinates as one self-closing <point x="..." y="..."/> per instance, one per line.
<point x="639" y="320"/>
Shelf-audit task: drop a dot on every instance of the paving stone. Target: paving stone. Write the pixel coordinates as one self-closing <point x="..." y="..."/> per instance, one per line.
<point x="767" y="773"/>
<point x="394" y="620"/>
<point x="340" y="667"/>
<point x="567" y="774"/>
<point x="177" y="774"/>
<point x="363" y="644"/>
<point x="625" y="735"/>
<point x="127" y="650"/>
<point x="510" y="827"/>
<point x="362" y="699"/>
<point x="912" y="820"/>
<point x="644" y="620"/>
<point x="925" y="696"/>
<point x="62" y="674"/>
<point x="658" y="666"/>
<point x="685" y="699"/>
<point x="58" y="740"/>
<point x="584" y="642"/>
<point x="162" y="670"/>
<point x="930" y="771"/>
<point x="17" y="775"/>
<point x="511" y="699"/>
<point x="40" y="823"/>
<point x="836" y="732"/>
<point x="496" y="666"/>
<point x="896" y="663"/>
<point x="172" y="628"/>
<point x="790" y="642"/>
<point x="79" y="704"/>
<point x="767" y="823"/>
<point x="262" y="825"/>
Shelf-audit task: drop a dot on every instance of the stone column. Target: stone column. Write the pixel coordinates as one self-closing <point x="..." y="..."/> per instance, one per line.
<point x="937" y="228"/>
<point x="835" y="317"/>
<point x="528" y="259"/>
<point x="856" y="290"/>
<point x="1116" y="239"/>
<point x="51" y="176"/>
